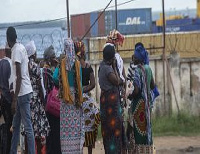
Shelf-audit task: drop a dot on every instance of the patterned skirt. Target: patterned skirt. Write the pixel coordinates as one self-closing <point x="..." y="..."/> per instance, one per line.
<point x="71" y="129"/>
<point x="111" y="121"/>
<point x="140" y="127"/>
<point x="92" y="120"/>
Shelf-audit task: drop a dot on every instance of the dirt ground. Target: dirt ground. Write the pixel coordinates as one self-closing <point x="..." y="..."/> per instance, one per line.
<point x="166" y="145"/>
<point x="163" y="145"/>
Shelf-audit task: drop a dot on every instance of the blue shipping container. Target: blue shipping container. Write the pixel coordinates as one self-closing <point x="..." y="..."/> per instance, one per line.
<point x="135" y="21"/>
<point x="179" y="22"/>
<point x="109" y="21"/>
<point x="94" y="30"/>
<point x="185" y="28"/>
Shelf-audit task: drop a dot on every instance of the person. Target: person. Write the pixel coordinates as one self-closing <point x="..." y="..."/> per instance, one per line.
<point x="141" y="83"/>
<point x="22" y="92"/>
<point x="6" y="88"/>
<point x="110" y="109"/>
<point x="50" y="62"/>
<point x="90" y="111"/>
<point x="39" y="120"/>
<point x="117" y="39"/>
<point x="71" y="113"/>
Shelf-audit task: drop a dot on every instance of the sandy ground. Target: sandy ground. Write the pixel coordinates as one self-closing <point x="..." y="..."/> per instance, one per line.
<point x="164" y="145"/>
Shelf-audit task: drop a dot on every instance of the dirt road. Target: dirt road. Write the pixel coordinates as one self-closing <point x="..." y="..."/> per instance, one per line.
<point x="167" y="145"/>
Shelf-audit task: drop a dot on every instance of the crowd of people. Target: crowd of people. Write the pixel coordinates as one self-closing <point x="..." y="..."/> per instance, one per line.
<point x="51" y="99"/>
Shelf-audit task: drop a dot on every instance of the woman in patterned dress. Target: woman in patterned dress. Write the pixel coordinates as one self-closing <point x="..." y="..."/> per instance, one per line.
<point x="90" y="111"/>
<point x="71" y="113"/>
<point x="38" y="116"/>
<point x="110" y="108"/>
<point x="141" y="81"/>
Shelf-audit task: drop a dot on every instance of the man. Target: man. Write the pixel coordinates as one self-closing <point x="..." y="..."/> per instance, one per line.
<point x="22" y="92"/>
<point x="6" y="88"/>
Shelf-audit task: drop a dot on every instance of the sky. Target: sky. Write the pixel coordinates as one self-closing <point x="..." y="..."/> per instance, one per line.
<point x="36" y="10"/>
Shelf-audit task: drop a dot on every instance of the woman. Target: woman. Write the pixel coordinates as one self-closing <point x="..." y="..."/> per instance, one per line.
<point x="38" y="116"/>
<point x="111" y="116"/>
<point x="90" y="111"/>
<point x="53" y="139"/>
<point x="71" y="114"/>
<point x="141" y="78"/>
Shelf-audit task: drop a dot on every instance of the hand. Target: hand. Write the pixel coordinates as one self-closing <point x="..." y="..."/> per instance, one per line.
<point x="114" y="63"/>
<point x="14" y="106"/>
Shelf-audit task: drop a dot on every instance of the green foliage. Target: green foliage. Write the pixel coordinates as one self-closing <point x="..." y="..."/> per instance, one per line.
<point x="176" y="125"/>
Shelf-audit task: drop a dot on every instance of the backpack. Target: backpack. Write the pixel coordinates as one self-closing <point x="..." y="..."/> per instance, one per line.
<point x="3" y="139"/>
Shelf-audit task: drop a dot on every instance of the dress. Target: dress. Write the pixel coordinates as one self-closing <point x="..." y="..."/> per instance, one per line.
<point x="71" y="123"/>
<point x="90" y="111"/>
<point x="140" y="116"/>
<point x="111" y="112"/>
<point x="38" y="116"/>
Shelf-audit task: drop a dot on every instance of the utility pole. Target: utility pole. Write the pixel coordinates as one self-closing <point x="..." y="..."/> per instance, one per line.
<point x="116" y="22"/>
<point x="164" y="54"/>
<point x="68" y="24"/>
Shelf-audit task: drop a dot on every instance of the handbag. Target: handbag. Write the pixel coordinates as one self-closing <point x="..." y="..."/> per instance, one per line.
<point x="53" y="102"/>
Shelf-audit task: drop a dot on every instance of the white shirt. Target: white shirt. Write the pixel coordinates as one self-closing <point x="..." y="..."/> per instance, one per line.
<point x="120" y="65"/>
<point x="19" y="54"/>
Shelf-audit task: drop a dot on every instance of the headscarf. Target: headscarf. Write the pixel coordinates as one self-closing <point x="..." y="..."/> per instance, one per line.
<point x="108" y="52"/>
<point x="115" y="38"/>
<point x="141" y="53"/>
<point x="49" y="53"/>
<point x="70" y="53"/>
<point x="30" y="48"/>
<point x="79" y="48"/>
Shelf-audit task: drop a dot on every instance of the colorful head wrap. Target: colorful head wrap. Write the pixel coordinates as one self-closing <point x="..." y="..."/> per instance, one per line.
<point x="115" y="38"/>
<point x="70" y="53"/>
<point x="141" y="53"/>
<point x="79" y="48"/>
<point x="30" y="48"/>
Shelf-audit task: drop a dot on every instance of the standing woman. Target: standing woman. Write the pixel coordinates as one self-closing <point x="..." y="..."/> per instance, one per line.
<point x="90" y="111"/>
<point x="71" y="114"/>
<point x="141" y="78"/>
<point x="111" y="116"/>
<point x="53" y="139"/>
<point x="38" y="116"/>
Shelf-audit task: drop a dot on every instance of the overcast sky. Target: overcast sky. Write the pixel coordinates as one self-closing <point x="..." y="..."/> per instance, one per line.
<point x="34" y="10"/>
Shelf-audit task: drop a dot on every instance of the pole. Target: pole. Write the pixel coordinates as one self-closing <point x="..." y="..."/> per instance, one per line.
<point x="164" y="54"/>
<point x="68" y="24"/>
<point x="116" y="22"/>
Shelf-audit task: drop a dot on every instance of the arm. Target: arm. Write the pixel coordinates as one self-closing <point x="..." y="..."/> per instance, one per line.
<point x="114" y="77"/>
<point x="18" y="85"/>
<point x="91" y="85"/>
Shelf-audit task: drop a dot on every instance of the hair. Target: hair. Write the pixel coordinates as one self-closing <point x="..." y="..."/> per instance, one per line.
<point x="11" y="34"/>
<point x="139" y="44"/>
<point x="108" y="52"/>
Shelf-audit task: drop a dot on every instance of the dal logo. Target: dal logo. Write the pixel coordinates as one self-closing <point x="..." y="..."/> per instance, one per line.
<point x="134" y="21"/>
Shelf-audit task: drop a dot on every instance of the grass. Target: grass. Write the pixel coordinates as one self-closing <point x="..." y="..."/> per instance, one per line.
<point x="182" y="125"/>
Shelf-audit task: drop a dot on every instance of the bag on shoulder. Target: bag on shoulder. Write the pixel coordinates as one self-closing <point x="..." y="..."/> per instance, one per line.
<point x="53" y="102"/>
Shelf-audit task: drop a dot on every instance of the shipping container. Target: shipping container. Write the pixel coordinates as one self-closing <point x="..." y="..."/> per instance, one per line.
<point x="93" y="18"/>
<point x="179" y="22"/>
<point x="79" y="25"/>
<point x="101" y="24"/>
<point x="184" y="28"/>
<point x="109" y="21"/>
<point x="135" y="21"/>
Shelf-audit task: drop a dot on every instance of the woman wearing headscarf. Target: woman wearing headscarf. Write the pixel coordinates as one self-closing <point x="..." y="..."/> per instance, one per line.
<point x="38" y="116"/>
<point x="71" y="114"/>
<point x="90" y="111"/>
<point x="50" y="79"/>
<point x="142" y="82"/>
<point x="110" y="109"/>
